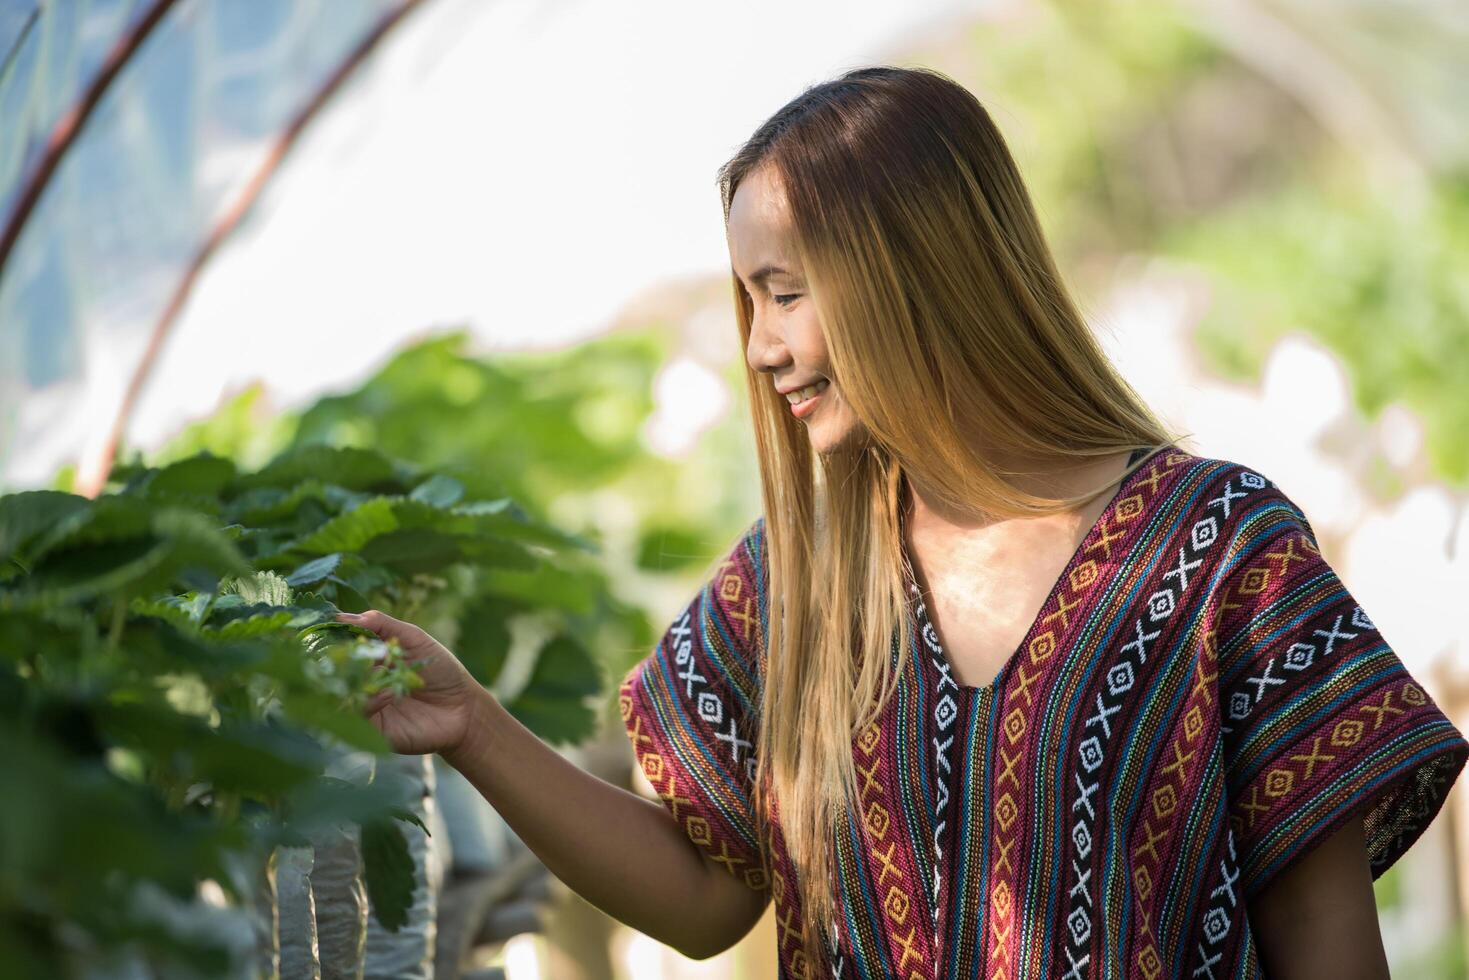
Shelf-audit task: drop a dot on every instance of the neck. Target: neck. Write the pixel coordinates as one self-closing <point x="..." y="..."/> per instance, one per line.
<point x="1043" y="478"/>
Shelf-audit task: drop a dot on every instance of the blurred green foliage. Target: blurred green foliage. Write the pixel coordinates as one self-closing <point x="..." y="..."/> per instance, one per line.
<point x="1200" y="133"/>
<point x="181" y="673"/>
<point x="561" y="433"/>
<point x="175" y="681"/>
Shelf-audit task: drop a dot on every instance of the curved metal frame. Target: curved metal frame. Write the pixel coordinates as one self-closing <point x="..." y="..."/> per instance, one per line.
<point x="93" y="473"/>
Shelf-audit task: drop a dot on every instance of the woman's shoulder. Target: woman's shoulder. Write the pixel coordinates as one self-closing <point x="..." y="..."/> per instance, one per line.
<point x="737" y="591"/>
<point x="1228" y="492"/>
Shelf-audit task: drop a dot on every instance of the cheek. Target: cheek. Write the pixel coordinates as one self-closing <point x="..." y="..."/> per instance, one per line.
<point x="806" y="343"/>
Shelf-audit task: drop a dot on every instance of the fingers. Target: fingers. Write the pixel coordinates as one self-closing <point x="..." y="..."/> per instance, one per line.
<point x="385" y="626"/>
<point x="378" y="702"/>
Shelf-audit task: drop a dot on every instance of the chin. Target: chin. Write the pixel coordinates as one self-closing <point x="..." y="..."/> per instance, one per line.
<point x="838" y="435"/>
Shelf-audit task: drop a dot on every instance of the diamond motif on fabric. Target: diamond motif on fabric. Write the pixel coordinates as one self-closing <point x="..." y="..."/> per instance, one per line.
<point x="945" y="711"/>
<point x="1216" y="924"/>
<point x="1279" y="782"/>
<point x="1080" y="925"/>
<point x="1081" y="836"/>
<point x="1091" y="754"/>
<point x="1299" y="656"/>
<point x="1160" y="604"/>
<point x="711" y="709"/>
<point x="1204" y="532"/>
<point x="1005" y="811"/>
<point x="1120" y="678"/>
<point x="1042" y="647"/>
<point x="1083" y="575"/>
<point x="1255" y="580"/>
<point x="1014" y="724"/>
<point x="1346" y="733"/>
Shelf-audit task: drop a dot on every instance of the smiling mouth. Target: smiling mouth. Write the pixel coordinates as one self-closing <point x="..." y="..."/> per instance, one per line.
<point x="805" y="406"/>
<point x="802" y="395"/>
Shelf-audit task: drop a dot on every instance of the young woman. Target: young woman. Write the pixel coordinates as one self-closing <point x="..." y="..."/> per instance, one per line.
<point x="1002" y="683"/>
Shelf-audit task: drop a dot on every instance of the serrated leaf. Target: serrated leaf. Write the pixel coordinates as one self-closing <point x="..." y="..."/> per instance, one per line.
<point x="270" y="505"/>
<point x="408" y="816"/>
<point x="183" y="612"/>
<point x="315" y="570"/>
<point x="553" y="704"/>
<point x="265" y="588"/>
<point x="387" y="870"/>
<point x="351" y="530"/>
<point x="256" y="624"/>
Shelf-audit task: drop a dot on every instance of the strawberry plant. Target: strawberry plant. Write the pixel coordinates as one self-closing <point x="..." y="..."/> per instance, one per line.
<point x="173" y="680"/>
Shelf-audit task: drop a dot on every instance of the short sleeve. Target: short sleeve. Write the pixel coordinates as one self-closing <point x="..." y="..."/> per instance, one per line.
<point x="1320" y="719"/>
<point x="690" y="706"/>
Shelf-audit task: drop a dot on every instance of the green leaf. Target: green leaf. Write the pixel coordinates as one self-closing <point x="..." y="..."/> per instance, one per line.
<point x="439" y="491"/>
<point x="269" y="505"/>
<point x="351" y="530"/>
<point x="507" y="519"/>
<point x="25" y="515"/>
<point x="546" y="584"/>
<point x="198" y="476"/>
<point x="104" y="520"/>
<point x="387" y="870"/>
<point x="355" y="469"/>
<point x="484" y="637"/>
<point x="553" y="703"/>
<point x="412" y="552"/>
<point x="266" y="588"/>
<point x="314" y="571"/>
<point x="259" y="624"/>
<point x="183" y="612"/>
<point x="127" y="550"/>
<point x="408" y="816"/>
<point x="323" y="714"/>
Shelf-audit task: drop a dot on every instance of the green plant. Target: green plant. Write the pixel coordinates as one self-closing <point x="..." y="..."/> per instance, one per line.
<point x="173" y="680"/>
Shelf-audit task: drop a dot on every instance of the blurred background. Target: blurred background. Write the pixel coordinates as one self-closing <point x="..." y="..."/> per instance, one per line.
<point x="485" y="234"/>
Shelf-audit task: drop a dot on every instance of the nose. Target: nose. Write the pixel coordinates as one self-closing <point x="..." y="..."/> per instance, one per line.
<point x="766" y="350"/>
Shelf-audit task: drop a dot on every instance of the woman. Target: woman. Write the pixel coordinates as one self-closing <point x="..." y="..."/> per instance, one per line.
<point x="1158" y="736"/>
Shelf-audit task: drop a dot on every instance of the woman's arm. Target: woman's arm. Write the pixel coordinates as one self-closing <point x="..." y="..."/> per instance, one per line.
<point x="624" y="854"/>
<point x="1319" y="917"/>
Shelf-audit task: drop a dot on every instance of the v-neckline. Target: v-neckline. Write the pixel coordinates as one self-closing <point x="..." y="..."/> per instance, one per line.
<point x="1086" y="544"/>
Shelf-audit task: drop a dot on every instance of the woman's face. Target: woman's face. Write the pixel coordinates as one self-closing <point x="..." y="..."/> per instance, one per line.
<point x="785" y="338"/>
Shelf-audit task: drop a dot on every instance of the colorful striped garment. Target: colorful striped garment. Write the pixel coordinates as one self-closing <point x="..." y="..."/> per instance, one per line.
<point x="1198" y="703"/>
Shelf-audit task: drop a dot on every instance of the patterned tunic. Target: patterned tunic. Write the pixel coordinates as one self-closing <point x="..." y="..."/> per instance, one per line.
<point x="1199" y="702"/>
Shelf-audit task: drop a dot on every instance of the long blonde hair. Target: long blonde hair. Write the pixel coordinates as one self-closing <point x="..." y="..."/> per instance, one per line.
<point x="946" y="322"/>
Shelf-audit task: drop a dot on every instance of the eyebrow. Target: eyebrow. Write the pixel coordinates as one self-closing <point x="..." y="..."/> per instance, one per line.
<point x="766" y="271"/>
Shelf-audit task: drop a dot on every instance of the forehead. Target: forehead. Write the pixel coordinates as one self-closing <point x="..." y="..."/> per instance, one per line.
<point x="759" y="228"/>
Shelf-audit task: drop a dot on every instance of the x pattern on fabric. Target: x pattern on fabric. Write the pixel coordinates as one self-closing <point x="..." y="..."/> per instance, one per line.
<point x="1198" y="703"/>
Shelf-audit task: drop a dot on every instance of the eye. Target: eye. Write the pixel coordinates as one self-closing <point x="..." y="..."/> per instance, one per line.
<point x="785" y="298"/>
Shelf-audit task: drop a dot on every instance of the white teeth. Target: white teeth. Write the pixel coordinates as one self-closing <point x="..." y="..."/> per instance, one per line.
<point x="801" y="394"/>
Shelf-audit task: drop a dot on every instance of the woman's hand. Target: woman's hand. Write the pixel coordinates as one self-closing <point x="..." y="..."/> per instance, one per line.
<point x="434" y="717"/>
